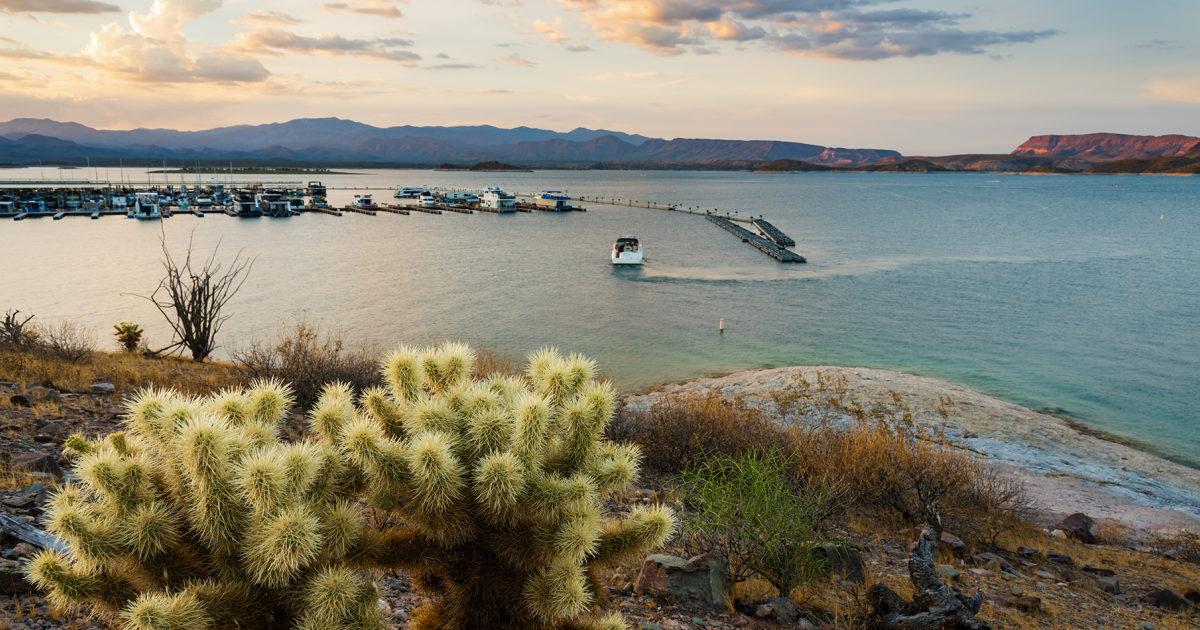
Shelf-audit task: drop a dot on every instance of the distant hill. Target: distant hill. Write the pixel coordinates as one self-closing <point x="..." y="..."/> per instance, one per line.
<point x="907" y="166"/>
<point x="496" y="166"/>
<point x="852" y="157"/>
<point x="1179" y="165"/>
<point x="1104" y="147"/>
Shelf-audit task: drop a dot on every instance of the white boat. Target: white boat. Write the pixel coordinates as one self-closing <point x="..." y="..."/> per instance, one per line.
<point x="120" y="201"/>
<point x="245" y="204"/>
<point x="7" y="205"/>
<point x="627" y="251"/>
<point x="496" y="198"/>
<point x="407" y="193"/>
<point x="426" y="200"/>
<point x="553" y="200"/>
<point x="145" y="206"/>
<point x="363" y="201"/>
<point x="273" y="203"/>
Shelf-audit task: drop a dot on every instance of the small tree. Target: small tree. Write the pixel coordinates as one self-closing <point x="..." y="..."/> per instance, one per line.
<point x="749" y="509"/>
<point x="17" y="331"/>
<point x="195" y="297"/>
<point x="129" y="335"/>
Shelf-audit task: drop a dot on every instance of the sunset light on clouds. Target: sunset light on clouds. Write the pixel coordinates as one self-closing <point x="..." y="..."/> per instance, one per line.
<point x="911" y="75"/>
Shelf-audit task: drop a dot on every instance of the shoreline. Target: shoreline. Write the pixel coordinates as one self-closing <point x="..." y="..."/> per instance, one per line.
<point x="1066" y="467"/>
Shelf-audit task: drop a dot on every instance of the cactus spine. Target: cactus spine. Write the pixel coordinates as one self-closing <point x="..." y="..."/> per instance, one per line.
<point x="198" y="516"/>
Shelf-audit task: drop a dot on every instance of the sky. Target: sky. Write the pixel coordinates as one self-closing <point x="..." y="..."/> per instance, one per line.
<point x="923" y="77"/>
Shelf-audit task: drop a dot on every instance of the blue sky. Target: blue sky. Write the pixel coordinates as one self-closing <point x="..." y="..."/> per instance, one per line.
<point x="921" y="76"/>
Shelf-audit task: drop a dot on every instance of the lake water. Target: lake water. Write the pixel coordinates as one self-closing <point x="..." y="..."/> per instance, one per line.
<point x="1075" y="293"/>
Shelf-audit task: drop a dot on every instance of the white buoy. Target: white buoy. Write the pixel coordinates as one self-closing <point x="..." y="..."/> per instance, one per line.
<point x="722" y="328"/>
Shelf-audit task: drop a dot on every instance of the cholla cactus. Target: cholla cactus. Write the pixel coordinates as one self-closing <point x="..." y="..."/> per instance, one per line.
<point x="500" y="481"/>
<point x="197" y="516"/>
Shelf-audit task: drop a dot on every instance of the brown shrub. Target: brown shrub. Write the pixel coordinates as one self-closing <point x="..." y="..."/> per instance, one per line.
<point x="67" y="339"/>
<point x="872" y="458"/>
<point x="1181" y="544"/>
<point x="308" y="356"/>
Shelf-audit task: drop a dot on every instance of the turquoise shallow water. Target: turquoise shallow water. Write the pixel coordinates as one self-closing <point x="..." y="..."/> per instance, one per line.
<point x="1060" y="292"/>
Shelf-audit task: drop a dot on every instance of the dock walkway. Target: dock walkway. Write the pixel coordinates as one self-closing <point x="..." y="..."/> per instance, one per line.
<point x="772" y="233"/>
<point x="767" y="247"/>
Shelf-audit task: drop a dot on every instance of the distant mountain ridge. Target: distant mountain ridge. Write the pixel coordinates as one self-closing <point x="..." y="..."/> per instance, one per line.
<point x="333" y="140"/>
<point x="1104" y="147"/>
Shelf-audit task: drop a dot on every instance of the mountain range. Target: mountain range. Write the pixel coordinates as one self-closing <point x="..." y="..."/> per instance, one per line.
<point x="333" y="140"/>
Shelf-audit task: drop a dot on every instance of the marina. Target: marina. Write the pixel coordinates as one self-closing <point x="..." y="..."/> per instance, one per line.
<point x="26" y="199"/>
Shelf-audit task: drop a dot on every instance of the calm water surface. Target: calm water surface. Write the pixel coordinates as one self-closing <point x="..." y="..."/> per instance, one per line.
<point x="1061" y="292"/>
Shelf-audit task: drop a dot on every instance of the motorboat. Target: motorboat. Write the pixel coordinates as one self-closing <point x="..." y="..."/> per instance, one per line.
<point x="627" y="251"/>
<point x="146" y="206"/>
<point x="364" y="201"/>
<point x="426" y="199"/>
<point x="408" y="193"/>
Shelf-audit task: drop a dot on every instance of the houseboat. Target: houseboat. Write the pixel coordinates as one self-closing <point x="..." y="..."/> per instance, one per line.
<point x="245" y="204"/>
<point x="426" y="199"/>
<point x="408" y="193"/>
<point x="364" y="201"/>
<point x="496" y="198"/>
<point x="146" y="206"/>
<point x="553" y="200"/>
<point x="273" y="203"/>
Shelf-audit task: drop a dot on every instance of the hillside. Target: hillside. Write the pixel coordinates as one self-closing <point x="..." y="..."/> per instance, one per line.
<point x="790" y="166"/>
<point x="1104" y="147"/>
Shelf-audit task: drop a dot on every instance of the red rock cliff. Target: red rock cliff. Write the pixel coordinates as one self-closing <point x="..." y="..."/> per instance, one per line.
<point x="1103" y="147"/>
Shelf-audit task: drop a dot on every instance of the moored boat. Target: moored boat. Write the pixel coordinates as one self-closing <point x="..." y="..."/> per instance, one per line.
<point x="554" y="200"/>
<point x="146" y="206"/>
<point x="496" y="198"/>
<point x="364" y="201"/>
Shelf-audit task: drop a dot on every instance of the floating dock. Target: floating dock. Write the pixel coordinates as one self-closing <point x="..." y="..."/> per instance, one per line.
<point x="394" y="209"/>
<point x="365" y="211"/>
<point x="767" y="247"/>
<point x="772" y="233"/>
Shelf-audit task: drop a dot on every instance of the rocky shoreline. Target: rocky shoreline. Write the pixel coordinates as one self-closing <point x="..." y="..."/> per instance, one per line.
<point x="1068" y="470"/>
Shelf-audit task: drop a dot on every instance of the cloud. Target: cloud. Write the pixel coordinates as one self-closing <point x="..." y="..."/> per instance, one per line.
<point x="580" y="48"/>
<point x="1186" y="90"/>
<point x="340" y="90"/>
<point x="442" y="56"/>
<point x="582" y="98"/>
<point x="842" y="29"/>
<point x="624" y="76"/>
<point x="57" y="6"/>
<point x="484" y="91"/>
<point x="276" y="42"/>
<point x="552" y="32"/>
<point x="20" y="51"/>
<point x="133" y="57"/>
<point x="378" y="8"/>
<point x="269" y="17"/>
<point x="516" y="60"/>
<point x="453" y="66"/>
<point x="1159" y="44"/>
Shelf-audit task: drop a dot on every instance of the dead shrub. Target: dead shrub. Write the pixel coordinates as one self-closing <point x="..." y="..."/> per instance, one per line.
<point x="492" y="361"/>
<point x="308" y="356"/>
<point x="68" y="340"/>
<point x="1182" y="545"/>
<point x="18" y="331"/>
<point x="680" y="429"/>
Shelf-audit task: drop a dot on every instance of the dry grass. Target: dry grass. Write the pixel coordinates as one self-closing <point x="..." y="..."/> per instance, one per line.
<point x="125" y="370"/>
<point x="1181" y="544"/>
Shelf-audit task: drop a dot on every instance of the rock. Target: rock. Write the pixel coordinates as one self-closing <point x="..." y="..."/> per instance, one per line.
<point x="12" y="581"/>
<point x="55" y="430"/>
<point x="43" y="393"/>
<point x="1193" y="596"/>
<point x="37" y="462"/>
<point x="18" y="502"/>
<point x="1109" y="585"/>
<point x="1079" y="526"/>
<point x="1101" y="571"/>
<point x="845" y="561"/>
<point x="1170" y="599"/>
<point x="968" y="435"/>
<point x="980" y="572"/>
<point x="1027" y="604"/>
<point x="947" y="572"/>
<point x="703" y="577"/>
<point x="950" y="545"/>
<point x="22" y="400"/>
<point x="24" y="550"/>
<point x="804" y="624"/>
<point x="783" y="610"/>
<point x="995" y="600"/>
<point x="1026" y="552"/>
<point x="102" y="388"/>
<point x="1058" y="533"/>
<point x="1045" y="575"/>
<point x="996" y="562"/>
<point x="741" y="621"/>
<point x="646" y="625"/>
<point x="764" y="612"/>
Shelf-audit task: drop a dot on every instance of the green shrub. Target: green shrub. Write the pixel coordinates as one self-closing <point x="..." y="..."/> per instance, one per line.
<point x="129" y="335"/>
<point x="749" y="509"/>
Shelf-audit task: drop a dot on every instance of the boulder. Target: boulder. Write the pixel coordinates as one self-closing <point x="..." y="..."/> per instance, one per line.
<point x="845" y="561"/>
<point x="37" y="462"/>
<point x="18" y="502"/>
<point x="12" y="581"/>
<point x="781" y="609"/>
<point x="1101" y="571"/>
<point x="1079" y="526"/>
<point x="1170" y="599"/>
<point x="947" y="572"/>
<point x="703" y="577"/>
<point x="1027" y="604"/>
<point x="102" y="388"/>
<point x="1109" y="585"/>
<point x="1193" y="596"/>
<point x="993" y="562"/>
<point x="22" y="400"/>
